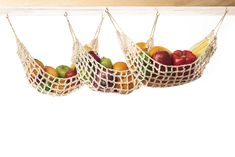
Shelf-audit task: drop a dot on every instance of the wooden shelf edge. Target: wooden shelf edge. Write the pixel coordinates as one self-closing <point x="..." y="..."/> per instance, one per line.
<point x="119" y="10"/>
<point x="87" y="3"/>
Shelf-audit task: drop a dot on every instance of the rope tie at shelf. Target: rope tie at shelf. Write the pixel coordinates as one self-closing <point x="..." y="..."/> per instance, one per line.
<point x="150" y="41"/>
<point x="74" y="37"/>
<point x="95" y="41"/>
<point x="13" y="30"/>
<point x="217" y="27"/>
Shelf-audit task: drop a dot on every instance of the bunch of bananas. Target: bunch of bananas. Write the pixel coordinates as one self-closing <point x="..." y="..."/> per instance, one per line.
<point x="200" y="48"/>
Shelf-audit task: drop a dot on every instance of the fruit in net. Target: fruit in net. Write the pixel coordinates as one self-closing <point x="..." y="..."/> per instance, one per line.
<point x="94" y="55"/>
<point x="71" y="73"/>
<point x="103" y="79"/>
<point x="35" y="70"/>
<point x="87" y="48"/>
<point x="120" y="66"/>
<point x="143" y="46"/>
<point x="146" y="63"/>
<point x="124" y="79"/>
<point x="183" y="57"/>
<point x="39" y="63"/>
<point x="62" y="70"/>
<point x="52" y="71"/>
<point x="155" y="49"/>
<point x="72" y="67"/>
<point x="162" y="57"/>
<point x="200" y="48"/>
<point x="106" y="62"/>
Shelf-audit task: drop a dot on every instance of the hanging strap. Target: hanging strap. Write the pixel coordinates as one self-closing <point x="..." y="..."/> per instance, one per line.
<point x="70" y="28"/>
<point x="13" y="30"/>
<point x="121" y="35"/>
<point x="150" y="41"/>
<point x="115" y="24"/>
<point x="99" y="27"/>
<point x="217" y="27"/>
<point x="94" y="42"/>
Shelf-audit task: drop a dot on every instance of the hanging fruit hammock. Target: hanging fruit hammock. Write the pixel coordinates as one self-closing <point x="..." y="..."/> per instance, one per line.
<point x="45" y="79"/>
<point x="98" y="76"/>
<point x="155" y="74"/>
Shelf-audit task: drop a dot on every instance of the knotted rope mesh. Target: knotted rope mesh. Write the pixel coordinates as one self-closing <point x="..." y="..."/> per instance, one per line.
<point x="154" y="74"/>
<point x="39" y="78"/>
<point x="100" y="78"/>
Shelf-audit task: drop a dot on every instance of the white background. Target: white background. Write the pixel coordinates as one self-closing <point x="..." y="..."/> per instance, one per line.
<point x="196" y="119"/>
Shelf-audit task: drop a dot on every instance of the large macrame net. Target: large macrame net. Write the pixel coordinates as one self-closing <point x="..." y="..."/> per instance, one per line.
<point x="41" y="80"/>
<point x="154" y="74"/>
<point x="99" y="78"/>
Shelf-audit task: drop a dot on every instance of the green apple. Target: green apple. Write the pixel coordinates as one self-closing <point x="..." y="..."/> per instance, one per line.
<point x="106" y="62"/>
<point x="146" y="63"/>
<point x="62" y="70"/>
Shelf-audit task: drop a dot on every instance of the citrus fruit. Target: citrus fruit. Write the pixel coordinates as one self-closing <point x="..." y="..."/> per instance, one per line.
<point x="155" y="49"/>
<point x="120" y="66"/>
<point x="142" y="45"/>
<point x="52" y="71"/>
<point x="124" y="82"/>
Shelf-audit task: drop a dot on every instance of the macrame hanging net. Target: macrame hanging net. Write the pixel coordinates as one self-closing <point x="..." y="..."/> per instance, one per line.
<point x="97" y="76"/>
<point x="41" y="80"/>
<point x="154" y="74"/>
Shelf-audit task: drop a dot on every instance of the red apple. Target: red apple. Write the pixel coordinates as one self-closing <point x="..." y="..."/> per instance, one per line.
<point x="94" y="55"/>
<point x="104" y="79"/>
<point x="71" y="73"/>
<point x="162" y="57"/>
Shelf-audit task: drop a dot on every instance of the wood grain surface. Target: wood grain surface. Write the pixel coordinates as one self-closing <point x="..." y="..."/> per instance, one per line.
<point x="78" y="3"/>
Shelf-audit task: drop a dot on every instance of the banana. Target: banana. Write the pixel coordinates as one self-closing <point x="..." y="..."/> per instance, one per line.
<point x="87" y="48"/>
<point x="200" y="48"/>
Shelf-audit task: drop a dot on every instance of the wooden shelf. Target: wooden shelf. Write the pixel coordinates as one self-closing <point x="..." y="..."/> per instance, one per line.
<point x="164" y="10"/>
<point x="79" y="3"/>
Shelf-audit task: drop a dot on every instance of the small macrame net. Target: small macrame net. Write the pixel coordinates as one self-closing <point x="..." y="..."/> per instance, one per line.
<point x="155" y="74"/>
<point x="100" y="78"/>
<point x="41" y="80"/>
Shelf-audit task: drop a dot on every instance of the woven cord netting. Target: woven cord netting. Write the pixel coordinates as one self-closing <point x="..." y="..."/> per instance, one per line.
<point x="155" y="74"/>
<point x="99" y="78"/>
<point x="43" y="81"/>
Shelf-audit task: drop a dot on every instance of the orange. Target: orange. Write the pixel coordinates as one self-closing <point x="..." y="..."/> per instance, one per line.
<point x="120" y="66"/>
<point x="124" y="82"/>
<point x="157" y="49"/>
<point x="129" y="85"/>
<point x="52" y="71"/>
<point x="142" y="45"/>
<point x="123" y="79"/>
<point x="58" y="87"/>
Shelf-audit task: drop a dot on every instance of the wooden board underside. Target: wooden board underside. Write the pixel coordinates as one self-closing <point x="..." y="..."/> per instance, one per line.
<point x="78" y="3"/>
